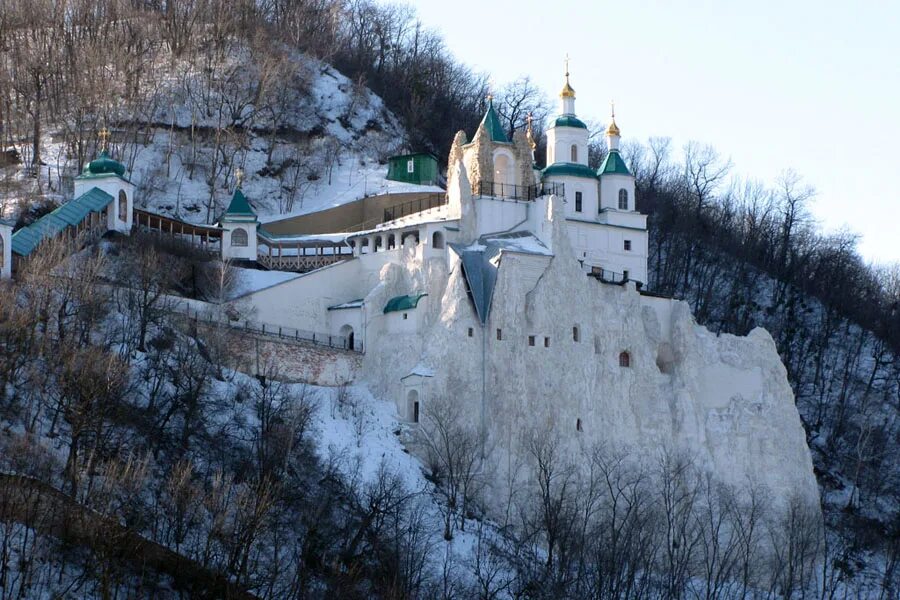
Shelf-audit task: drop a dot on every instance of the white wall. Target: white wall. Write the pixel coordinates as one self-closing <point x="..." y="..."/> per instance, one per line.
<point x="112" y="185"/>
<point x="302" y="303"/>
<point x="609" y="190"/>
<point x="494" y="215"/>
<point x="560" y="141"/>
<point x="248" y="252"/>
<point x="604" y="246"/>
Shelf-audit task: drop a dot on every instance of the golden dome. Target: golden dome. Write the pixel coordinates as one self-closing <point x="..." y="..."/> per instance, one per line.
<point x="613" y="129"/>
<point x="567" y="91"/>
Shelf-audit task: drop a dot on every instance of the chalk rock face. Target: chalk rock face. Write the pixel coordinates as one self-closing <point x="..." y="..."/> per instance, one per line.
<point x="600" y="364"/>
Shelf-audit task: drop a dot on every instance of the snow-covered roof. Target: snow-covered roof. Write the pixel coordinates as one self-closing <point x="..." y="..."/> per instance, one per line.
<point x="420" y="370"/>
<point x="352" y="304"/>
<point x="523" y="242"/>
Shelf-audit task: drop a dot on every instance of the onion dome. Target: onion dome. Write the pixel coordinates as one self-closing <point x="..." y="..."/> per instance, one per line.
<point x="613" y="129"/>
<point x="568" y="91"/>
<point x="104" y="165"/>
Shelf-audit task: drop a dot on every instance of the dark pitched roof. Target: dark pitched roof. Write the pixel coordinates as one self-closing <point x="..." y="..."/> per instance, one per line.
<point x="613" y="164"/>
<point x="491" y="122"/>
<point x="69" y="214"/>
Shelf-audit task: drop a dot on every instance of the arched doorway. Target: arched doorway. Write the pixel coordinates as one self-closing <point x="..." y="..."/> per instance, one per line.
<point x="503" y="175"/>
<point x="412" y="406"/>
<point x="437" y="240"/>
<point x="347" y="334"/>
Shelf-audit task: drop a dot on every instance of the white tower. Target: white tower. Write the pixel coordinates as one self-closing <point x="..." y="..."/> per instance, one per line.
<point x="108" y="175"/>
<point x="616" y="181"/>
<point x="239" y="225"/>
<point x="567" y="138"/>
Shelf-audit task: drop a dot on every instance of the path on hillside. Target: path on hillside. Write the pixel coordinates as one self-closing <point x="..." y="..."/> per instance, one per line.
<point x="45" y="509"/>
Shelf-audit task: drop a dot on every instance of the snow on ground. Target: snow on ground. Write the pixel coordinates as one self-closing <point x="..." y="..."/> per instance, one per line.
<point x="341" y="137"/>
<point x="252" y="280"/>
<point x="365" y="435"/>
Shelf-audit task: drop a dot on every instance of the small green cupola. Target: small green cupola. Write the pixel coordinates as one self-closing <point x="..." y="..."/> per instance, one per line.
<point x="492" y="125"/>
<point x="613" y="164"/>
<point x="239" y="208"/>
<point x="104" y="165"/>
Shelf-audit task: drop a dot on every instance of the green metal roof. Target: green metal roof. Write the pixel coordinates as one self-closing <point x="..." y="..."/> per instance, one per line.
<point x="568" y="169"/>
<point x="239" y="206"/>
<point x="491" y="122"/>
<point x="69" y="214"/>
<point x="613" y="164"/>
<point x="569" y="121"/>
<point x="403" y="303"/>
<point x="104" y="165"/>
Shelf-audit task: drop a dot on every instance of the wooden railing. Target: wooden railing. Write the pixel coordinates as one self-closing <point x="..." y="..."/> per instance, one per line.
<point x="298" y="262"/>
<point x="204" y="237"/>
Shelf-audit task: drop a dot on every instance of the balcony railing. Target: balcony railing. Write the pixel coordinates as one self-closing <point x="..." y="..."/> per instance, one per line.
<point x="414" y="206"/>
<point x="508" y="191"/>
<point x="607" y="276"/>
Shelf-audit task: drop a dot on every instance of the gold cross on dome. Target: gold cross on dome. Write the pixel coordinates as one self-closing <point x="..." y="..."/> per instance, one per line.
<point x="103" y="134"/>
<point x="567" y="65"/>
<point x="239" y="176"/>
<point x="612" y="108"/>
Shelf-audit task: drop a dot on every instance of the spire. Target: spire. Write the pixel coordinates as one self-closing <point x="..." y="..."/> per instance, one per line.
<point x="492" y="125"/>
<point x="613" y="129"/>
<point x="568" y="91"/>
<point x="567" y="95"/>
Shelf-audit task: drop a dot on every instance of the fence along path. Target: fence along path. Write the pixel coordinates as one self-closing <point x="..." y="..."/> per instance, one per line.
<point x="45" y="509"/>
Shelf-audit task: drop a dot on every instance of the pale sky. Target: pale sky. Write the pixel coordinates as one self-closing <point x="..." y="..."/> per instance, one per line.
<point x="813" y="86"/>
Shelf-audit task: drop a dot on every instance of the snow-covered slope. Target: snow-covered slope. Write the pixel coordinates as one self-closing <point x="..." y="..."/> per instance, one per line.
<point x="319" y="140"/>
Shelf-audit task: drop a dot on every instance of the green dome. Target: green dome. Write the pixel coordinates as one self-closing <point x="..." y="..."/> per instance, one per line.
<point x="567" y="169"/>
<point x="104" y="165"/>
<point x="569" y="121"/>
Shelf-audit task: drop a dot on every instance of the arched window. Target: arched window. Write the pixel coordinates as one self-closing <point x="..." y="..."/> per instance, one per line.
<point x="574" y="153"/>
<point x="625" y="360"/>
<point x="123" y="206"/>
<point x="576" y="335"/>
<point x="437" y="240"/>
<point x="623" y="199"/>
<point x="578" y="425"/>
<point x="239" y="237"/>
<point x="412" y="405"/>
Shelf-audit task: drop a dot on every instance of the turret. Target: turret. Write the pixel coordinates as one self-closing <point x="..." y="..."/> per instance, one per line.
<point x="567" y="138"/>
<point x="239" y="225"/>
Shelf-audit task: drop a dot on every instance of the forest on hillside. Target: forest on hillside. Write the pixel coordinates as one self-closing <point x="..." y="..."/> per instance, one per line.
<point x="743" y="254"/>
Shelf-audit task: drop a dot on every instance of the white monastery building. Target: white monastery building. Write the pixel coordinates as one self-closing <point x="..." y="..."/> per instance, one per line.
<point x="520" y="295"/>
<point x="522" y="299"/>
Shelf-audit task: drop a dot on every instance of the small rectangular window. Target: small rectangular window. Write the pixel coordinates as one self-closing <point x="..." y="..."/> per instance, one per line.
<point x="577" y="201"/>
<point x="627" y="245"/>
<point x="499" y="334"/>
<point x="410" y="166"/>
<point x="471" y="332"/>
<point x="405" y="316"/>
<point x="546" y="342"/>
<point x="531" y="340"/>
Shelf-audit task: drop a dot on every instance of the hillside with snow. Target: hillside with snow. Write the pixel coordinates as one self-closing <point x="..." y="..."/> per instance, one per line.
<point x="317" y="141"/>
